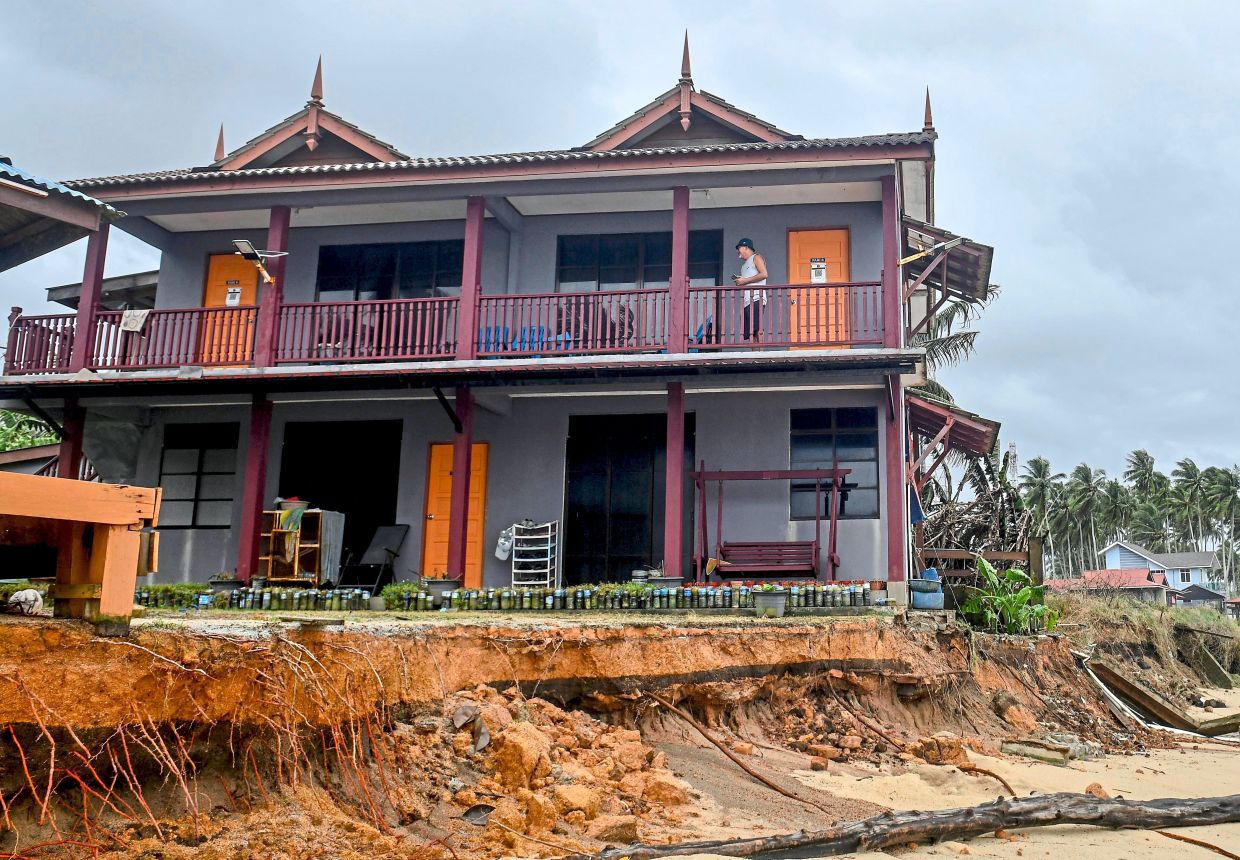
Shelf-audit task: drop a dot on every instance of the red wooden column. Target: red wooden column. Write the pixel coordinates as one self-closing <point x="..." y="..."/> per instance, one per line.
<point x="73" y="422"/>
<point x="678" y="298"/>
<point x="893" y="325"/>
<point x="268" y="326"/>
<point x="462" y="464"/>
<point x="88" y="302"/>
<point x="471" y="281"/>
<point x="674" y="482"/>
<point x="253" y="495"/>
<point x="894" y="481"/>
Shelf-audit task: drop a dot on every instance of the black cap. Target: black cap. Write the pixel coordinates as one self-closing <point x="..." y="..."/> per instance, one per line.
<point x="745" y="243"/>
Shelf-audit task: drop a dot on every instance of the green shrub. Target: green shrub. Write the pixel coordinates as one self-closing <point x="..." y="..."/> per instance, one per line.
<point x="393" y="593"/>
<point x="1008" y="602"/>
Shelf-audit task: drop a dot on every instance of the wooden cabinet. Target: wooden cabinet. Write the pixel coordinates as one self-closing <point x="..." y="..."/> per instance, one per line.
<point x="302" y="549"/>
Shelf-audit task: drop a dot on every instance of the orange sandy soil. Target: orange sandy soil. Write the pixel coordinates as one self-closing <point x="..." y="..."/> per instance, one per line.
<point x="216" y="669"/>
<point x="381" y="696"/>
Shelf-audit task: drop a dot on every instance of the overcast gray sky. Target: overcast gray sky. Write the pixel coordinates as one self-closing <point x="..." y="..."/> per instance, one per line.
<point x="1091" y="143"/>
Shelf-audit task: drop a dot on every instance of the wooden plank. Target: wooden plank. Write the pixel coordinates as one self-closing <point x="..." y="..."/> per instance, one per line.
<point x="1159" y="708"/>
<point x="77" y="501"/>
<point x="969" y="555"/>
<point x="76" y="591"/>
<point x="114" y="565"/>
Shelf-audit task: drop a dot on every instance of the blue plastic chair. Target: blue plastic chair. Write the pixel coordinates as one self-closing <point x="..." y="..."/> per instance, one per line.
<point x="493" y="339"/>
<point x="532" y="338"/>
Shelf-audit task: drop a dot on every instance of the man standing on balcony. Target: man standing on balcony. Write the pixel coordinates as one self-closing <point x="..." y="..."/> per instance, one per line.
<point x="753" y="274"/>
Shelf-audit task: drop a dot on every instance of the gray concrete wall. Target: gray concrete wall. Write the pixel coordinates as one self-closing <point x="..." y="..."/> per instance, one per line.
<point x="183" y="267"/>
<point x="191" y="555"/>
<point x="735" y="430"/>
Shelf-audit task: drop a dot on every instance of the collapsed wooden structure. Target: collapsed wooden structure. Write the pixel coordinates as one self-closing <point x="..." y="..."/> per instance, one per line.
<point x="104" y="534"/>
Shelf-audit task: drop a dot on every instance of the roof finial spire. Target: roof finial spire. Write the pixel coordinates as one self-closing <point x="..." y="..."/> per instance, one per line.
<point x="686" y="86"/>
<point x="686" y="73"/>
<point x="928" y="124"/>
<point x="316" y="89"/>
<point x="220" y="152"/>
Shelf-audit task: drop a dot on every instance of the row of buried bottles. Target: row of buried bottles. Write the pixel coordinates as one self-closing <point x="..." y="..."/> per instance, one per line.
<point x="332" y="600"/>
<point x="630" y="597"/>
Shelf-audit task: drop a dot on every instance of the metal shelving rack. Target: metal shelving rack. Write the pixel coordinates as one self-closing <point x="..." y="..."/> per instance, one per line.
<point x="536" y="555"/>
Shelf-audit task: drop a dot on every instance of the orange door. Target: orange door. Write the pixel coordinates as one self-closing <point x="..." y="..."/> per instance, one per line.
<point x="819" y="316"/>
<point x="439" y="513"/>
<point x="228" y="338"/>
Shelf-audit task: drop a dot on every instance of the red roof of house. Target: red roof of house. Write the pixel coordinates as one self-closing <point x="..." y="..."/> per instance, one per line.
<point x="1101" y="580"/>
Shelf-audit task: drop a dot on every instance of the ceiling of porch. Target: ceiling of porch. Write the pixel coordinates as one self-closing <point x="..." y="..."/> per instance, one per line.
<point x="529" y="205"/>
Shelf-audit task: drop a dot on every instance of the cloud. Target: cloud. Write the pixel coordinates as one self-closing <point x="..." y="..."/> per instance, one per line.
<point x="1091" y="148"/>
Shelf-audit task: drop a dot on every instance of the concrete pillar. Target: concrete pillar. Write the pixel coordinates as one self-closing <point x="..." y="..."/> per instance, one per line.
<point x="678" y="295"/>
<point x="674" y="482"/>
<point x="88" y="301"/>
<point x="462" y="457"/>
<point x="471" y="281"/>
<point x="267" y="329"/>
<point x="253" y="494"/>
<point x="893" y="323"/>
<point x="69" y="463"/>
<point x="895" y="486"/>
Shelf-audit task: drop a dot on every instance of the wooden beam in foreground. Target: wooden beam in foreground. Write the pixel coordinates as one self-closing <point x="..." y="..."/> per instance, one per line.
<point x="100" y="546"/>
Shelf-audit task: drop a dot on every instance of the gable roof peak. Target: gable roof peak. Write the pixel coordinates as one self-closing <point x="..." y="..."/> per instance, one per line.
<point x="718" y="121"/>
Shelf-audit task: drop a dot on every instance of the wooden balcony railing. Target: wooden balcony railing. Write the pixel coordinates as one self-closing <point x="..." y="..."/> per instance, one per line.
<point x="174" y="338"/>
<point x="786" y="316"/>
<point x="41" y="344"/>
<point x="385" y="330"/>
<point x="619" y="321"/>
<point x="783" y="316"/>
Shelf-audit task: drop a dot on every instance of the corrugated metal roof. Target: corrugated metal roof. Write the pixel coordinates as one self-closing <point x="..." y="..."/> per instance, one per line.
<point x="1185" y="559"/>
<point x="190" y="176"/>
<point x="16" y="174"/>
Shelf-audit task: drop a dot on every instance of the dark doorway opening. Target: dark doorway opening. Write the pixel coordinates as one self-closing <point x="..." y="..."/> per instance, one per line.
<point x="614" y="496"/>
<point x="348" y="466"/>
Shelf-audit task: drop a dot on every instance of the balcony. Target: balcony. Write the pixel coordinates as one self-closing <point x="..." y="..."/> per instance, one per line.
<point x="719" y="318"/>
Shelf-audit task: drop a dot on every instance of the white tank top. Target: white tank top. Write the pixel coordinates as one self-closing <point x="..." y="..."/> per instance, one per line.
<point x="749" y="268"/>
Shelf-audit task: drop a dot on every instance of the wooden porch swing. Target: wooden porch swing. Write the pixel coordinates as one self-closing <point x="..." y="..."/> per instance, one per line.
<point x="769" y="558"/>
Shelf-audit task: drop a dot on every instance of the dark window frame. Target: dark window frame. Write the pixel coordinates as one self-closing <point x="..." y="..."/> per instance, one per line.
<point x="449" y="260"/>
<point x="835" y="430"/>
<point x="203" y="438"/>
<point x="713" y="238"/>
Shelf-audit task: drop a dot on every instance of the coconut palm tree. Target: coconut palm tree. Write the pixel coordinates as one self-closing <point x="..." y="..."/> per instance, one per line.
<point x="1190" y="484"/>
<point x="949" y="339"/>
<point x="1085" y="490"/>
<point x="1221" y="495"/>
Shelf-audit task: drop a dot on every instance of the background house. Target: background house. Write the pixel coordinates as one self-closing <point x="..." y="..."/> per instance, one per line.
<point x="1133" y="583"/>
<point x="1181" y="568"/>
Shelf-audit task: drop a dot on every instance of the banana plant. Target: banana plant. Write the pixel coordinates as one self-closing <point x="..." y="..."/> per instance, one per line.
<point x="1008" y="602"/>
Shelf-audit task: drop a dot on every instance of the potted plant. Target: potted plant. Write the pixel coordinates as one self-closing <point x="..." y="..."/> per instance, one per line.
<point x="770" y="599"/>
<point x="224" y="582"/>
<point x="437" y="587"/>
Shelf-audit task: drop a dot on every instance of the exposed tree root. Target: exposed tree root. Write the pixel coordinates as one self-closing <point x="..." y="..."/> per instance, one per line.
<point x="903" y="828"/>
<point x="1200" y="843"/>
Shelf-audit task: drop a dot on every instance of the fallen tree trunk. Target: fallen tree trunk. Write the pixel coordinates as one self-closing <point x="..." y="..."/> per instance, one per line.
<point x="902" y="828"/>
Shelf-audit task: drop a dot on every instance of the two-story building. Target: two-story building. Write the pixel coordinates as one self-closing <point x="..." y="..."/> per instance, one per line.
<point x="1181" y="569"/>
<point x="461" y="343"/>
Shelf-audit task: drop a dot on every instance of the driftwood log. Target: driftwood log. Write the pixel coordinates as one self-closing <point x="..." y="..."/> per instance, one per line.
<point x="902" y="828"/>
